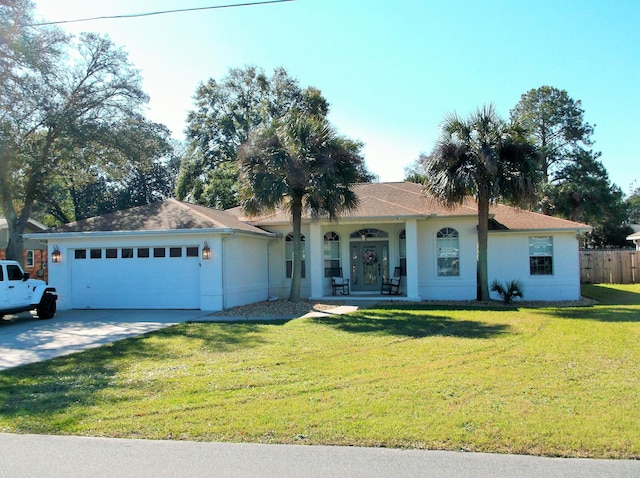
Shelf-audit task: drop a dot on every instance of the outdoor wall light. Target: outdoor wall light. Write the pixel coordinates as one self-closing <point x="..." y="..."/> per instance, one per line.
<point x="206" y="252"/>
<point x="56" y="255"/>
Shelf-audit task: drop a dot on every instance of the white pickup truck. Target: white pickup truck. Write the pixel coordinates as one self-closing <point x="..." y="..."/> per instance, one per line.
<point x="18" y="293"/>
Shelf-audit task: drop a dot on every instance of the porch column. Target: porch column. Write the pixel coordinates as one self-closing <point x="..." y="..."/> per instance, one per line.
<point x="411" y="231"/>
<point x="315" y="260"/>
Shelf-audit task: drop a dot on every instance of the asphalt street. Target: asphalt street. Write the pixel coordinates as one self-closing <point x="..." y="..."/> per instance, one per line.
<point x="76" y="457"/>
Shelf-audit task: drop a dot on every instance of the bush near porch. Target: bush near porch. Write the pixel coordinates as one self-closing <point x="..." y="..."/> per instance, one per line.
<point x="545" y="381"/>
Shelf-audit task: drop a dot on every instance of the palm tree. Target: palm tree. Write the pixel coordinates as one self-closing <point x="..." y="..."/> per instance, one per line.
<point x="298" y="162"/>
<point x="488" y="159"/>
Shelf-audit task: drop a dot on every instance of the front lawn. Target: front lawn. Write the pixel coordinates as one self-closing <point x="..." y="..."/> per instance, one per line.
<point x="544" y="381"/>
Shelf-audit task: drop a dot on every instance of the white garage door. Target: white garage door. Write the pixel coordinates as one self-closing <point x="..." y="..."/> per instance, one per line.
<point x="136" y="278"/>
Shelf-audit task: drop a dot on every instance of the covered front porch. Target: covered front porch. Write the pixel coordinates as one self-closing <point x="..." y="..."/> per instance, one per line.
<point x="366" y="255"/>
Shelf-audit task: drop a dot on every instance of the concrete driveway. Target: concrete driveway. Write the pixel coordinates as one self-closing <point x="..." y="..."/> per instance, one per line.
<point x="25" y="339"/>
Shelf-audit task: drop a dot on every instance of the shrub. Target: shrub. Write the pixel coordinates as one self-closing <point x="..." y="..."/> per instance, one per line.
<point x="508" y="291"/>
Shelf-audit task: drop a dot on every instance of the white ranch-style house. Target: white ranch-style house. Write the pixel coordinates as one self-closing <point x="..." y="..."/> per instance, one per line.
<point x="179" y="255"/>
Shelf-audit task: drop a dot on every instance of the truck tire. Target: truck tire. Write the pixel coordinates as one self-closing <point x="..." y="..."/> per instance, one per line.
<point x="47" y="307"/>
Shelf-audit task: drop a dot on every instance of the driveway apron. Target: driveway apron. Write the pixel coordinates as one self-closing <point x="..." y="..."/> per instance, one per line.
<point x="24" y="339"/>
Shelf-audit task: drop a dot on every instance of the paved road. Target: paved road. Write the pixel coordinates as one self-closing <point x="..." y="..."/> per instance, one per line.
<point x="25" y="339"/>
<point x="71" y="457"/>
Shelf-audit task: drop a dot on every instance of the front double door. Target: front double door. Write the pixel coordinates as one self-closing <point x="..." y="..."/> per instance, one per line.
<point x="369" y="265"/>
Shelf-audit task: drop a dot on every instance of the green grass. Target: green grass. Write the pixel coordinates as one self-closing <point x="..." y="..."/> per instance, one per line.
<point x="544" y="381"/>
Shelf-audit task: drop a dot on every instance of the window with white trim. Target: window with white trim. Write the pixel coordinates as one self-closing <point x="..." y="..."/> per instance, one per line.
<point x="30" y="260"/>
<point x="288" y="250"/>
<point x="540" y="255"/>
<point x="331" y="254"/>
<point x="448" y="251"/>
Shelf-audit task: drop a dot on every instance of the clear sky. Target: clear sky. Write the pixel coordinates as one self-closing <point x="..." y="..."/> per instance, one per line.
<point x="392" y="69"/>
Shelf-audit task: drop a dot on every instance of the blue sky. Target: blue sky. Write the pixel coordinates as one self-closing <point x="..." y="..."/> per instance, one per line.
<point x="392" y="69"/>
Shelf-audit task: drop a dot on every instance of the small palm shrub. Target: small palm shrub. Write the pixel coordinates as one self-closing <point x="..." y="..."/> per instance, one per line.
<point x="508" y="291"/>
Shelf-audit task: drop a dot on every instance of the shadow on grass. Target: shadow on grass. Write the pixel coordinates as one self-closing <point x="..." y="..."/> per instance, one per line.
<point x="33" y="395"/>
<point x="415" y="325"/>
<point x="612" y="295"/>
<point x="599" y="313"/>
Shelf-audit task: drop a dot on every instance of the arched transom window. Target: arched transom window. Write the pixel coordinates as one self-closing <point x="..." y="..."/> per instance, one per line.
<point x="364" y="234"/>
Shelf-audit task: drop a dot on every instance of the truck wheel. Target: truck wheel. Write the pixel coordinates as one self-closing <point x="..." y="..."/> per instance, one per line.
<point x="47" y="307"/>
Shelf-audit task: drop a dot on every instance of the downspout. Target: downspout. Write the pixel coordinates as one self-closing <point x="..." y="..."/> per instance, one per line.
<point x="224" y="268"/>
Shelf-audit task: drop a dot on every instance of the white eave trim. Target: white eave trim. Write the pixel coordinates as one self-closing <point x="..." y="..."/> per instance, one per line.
<point x="173" y="232"/>
<point x="577" y="230"/>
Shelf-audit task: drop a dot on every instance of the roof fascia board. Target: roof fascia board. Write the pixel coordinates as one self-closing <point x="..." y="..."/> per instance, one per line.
<point x="75" y="235"/>
<point x="555" y="230"/>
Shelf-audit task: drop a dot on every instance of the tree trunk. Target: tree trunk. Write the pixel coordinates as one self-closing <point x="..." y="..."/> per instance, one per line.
<point x="15" y="246"/>
<point x="296" y="273"/>
<point x="483" y="233"/>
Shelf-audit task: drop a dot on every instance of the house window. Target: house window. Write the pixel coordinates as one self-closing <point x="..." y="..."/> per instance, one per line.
<point x="448" y="247"/>
<point x="540" y="255"/>
<point x="30" y="260"/>
<point x="127" y="253"/>
<point x="402" y="246"/>
<point x="288" y="246"/>
<point x="331" y="254"/>
<point x="111" y="253"/>
<point x="175" y="252"/>
<point x="364" y="234"/>
<point x="80" y="254"/>
<point x="95" y="253"/>
<point x="159" y="252"/>
<point x="143" y="252"/>
<point x="192" y="252"/>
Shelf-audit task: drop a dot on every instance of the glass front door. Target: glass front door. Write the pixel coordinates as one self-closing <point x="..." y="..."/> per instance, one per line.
<point x="369" y="265"/>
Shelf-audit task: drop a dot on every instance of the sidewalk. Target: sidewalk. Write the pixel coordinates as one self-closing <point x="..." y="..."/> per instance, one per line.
<point x="76" y="457"/>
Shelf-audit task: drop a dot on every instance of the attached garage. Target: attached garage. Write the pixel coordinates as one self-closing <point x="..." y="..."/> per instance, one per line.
<point x="135" y="277"/>
<point x="169" y="255"/>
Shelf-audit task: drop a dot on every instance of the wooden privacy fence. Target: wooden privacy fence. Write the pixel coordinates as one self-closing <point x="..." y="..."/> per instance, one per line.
<point x="609" y="266"/>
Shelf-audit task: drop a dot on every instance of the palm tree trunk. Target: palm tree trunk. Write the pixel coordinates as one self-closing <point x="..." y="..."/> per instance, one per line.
<point x="483" y="233"/>
<point x="296" y="273"/>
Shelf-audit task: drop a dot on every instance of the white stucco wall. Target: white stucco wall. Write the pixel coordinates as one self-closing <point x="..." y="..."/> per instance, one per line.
<point x="509" y="259"/>
<point x="245" y="270"/>
<point x="434" y="287"/>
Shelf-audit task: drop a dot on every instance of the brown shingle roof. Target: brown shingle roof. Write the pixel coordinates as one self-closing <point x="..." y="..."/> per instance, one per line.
<point x="404" y="199"/>
<point x="170" y="215"/>
<point x="518" y="219"/>
<point x="377" y="202"/>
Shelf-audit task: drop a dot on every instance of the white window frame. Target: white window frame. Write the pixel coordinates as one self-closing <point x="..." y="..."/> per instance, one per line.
<point x="541" y="256"/>
<point x="30" y="259"/>
<point x="448" y="252"/>
<point x="331" y="253"/>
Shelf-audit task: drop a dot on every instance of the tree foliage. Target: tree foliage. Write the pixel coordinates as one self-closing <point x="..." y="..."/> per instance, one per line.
<point x="583" y="193"/>
<point x="225" y="114"/>
<point x="555" y="124"/>
<point x="298" y="162"/>
<point x="633" y="204"/>
<point x="64" y="102"/>
<point x="483" y="157"/>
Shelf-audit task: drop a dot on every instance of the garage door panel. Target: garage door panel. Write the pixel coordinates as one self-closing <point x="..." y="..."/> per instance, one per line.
<point x="136" y="283"/>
